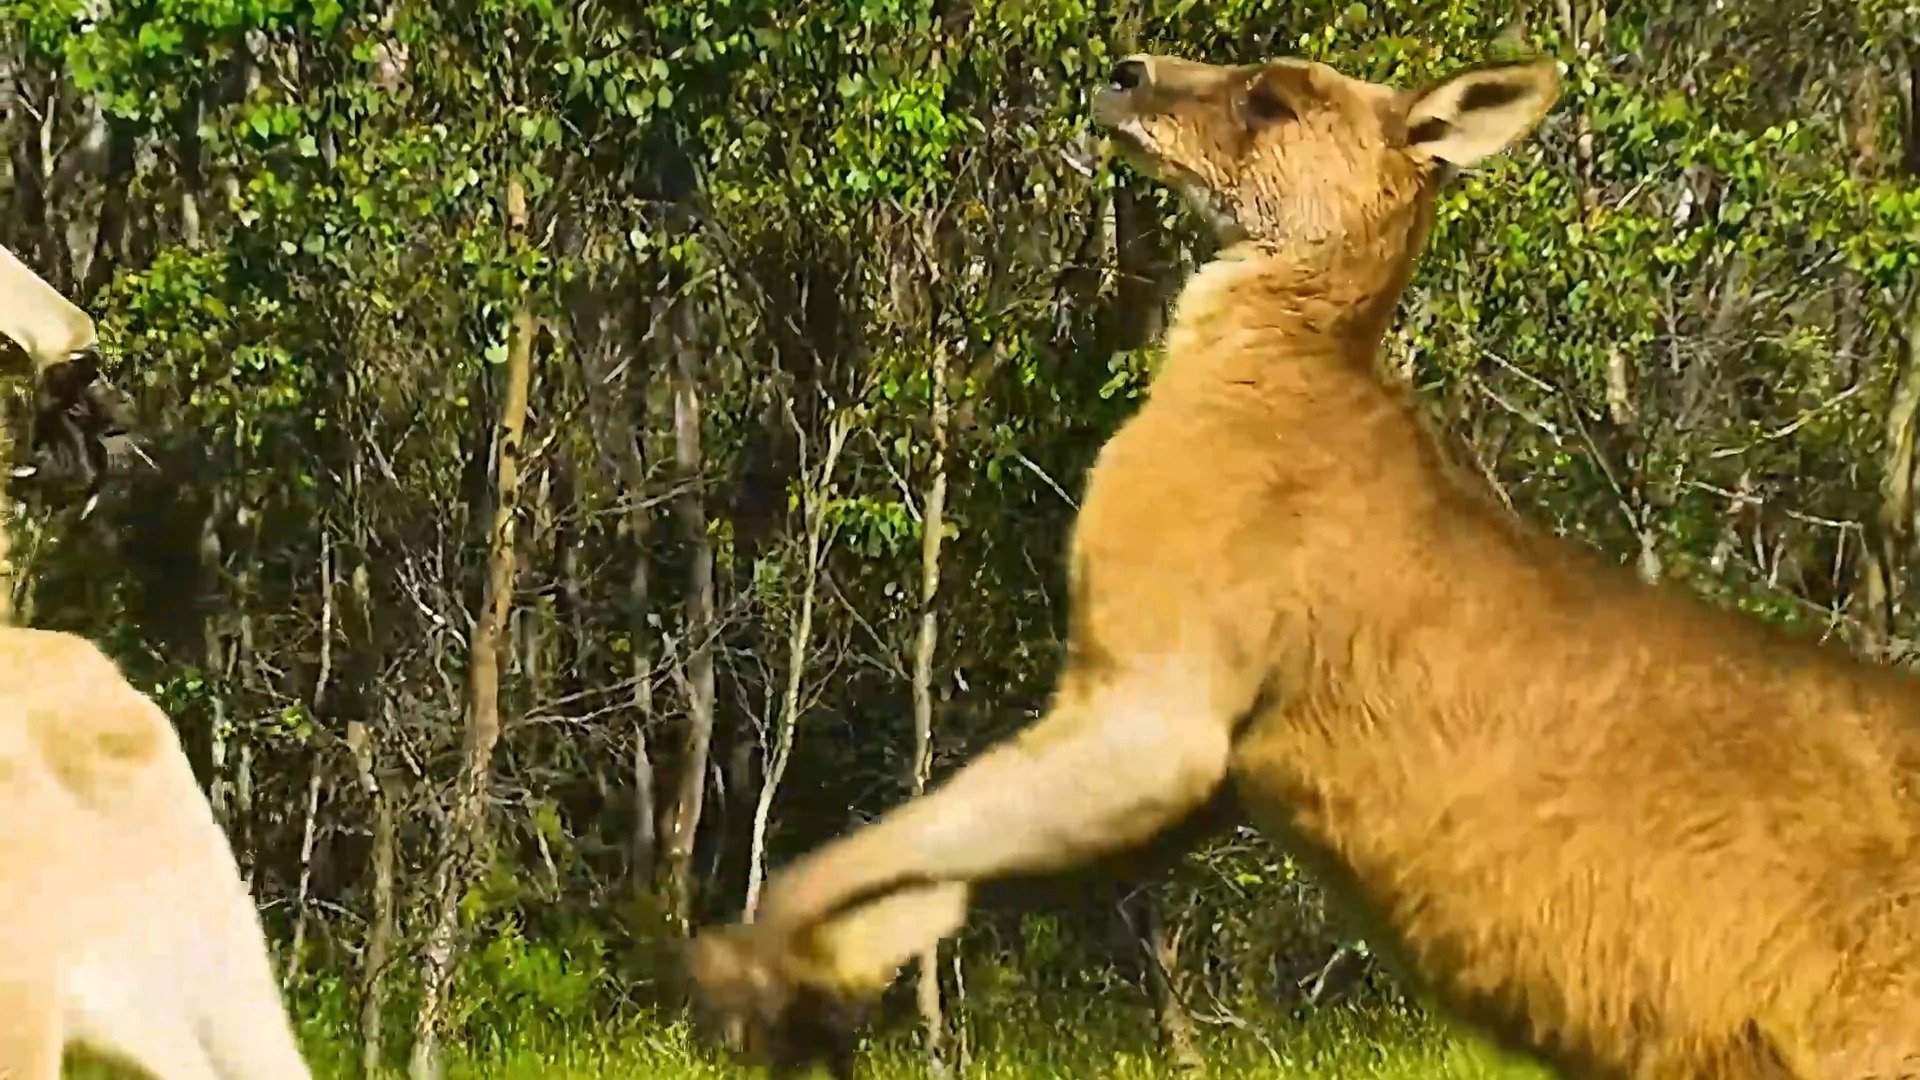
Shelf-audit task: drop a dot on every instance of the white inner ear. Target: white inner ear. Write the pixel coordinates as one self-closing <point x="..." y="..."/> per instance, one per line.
<point x="1479" y="113"/>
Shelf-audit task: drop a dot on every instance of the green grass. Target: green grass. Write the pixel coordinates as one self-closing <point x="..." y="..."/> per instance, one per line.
<point x="1336" y="1044"/>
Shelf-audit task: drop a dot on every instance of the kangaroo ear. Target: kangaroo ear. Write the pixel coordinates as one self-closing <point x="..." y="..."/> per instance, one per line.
<point x="46" y="325"/>
<point x="1480" y="112"/>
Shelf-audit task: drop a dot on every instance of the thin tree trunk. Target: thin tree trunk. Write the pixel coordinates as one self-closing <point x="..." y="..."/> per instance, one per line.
<point x="1888" y="536"/>
<point x="364" y="703"/>
<point x="933" y="526"/>
<point x="756" y="510"/>
<point x="646" y="838"/>
<point x="1576" y="32"/>
<point x="1862" y="118"/>
<point x="570" y="540"/>
<point x="190" y="158"/>
<point x="380" y="924"/>
<point x="1619" y="447"/>
<point x="632" y="459"/>
<point x="321" y="686"/>
<point x="646" y="830"/>
<point x="213" y="663"/>
<point x="297" y="950"/>
<point x="619" y="409"/>
<point x="366" y="706"/>
<point x="698" y="632"/>
<point x="466" y="823"/>
<point x="1910" y="113"/>
<point x="799" y="636"/>
<point x="1892" y="533"/>
<point x="111" y="232"/>
<point x="42" y="239"/>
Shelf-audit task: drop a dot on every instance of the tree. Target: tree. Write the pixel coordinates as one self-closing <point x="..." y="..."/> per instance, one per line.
<point x="465" y="835"/>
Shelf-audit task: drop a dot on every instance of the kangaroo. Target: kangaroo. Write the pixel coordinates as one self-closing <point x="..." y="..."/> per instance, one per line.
<point x="1612" y="827"/>
<point x="124" y="924"/>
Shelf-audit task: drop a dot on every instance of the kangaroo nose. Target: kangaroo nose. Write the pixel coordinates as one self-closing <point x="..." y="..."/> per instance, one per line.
<point x="1129" y="74"/>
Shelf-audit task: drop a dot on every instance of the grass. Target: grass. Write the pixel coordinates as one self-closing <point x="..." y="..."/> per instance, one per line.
<point x="1335" y="1044"/>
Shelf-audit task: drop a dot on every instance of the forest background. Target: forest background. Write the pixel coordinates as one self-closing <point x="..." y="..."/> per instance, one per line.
<point x="801" y="322"/>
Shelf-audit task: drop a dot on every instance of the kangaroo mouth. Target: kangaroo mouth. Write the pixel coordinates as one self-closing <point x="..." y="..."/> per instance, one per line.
<point x="1130" y="140"/>
<point x="1113" y="113"/>
<point x="1112" y="106"/>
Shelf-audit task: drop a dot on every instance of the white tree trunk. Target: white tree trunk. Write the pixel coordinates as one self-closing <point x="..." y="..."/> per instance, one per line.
<point x="799" y="636"/>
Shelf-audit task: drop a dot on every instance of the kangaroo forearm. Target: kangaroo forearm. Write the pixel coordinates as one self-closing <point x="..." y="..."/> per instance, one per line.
<point x="1027" y="806"/>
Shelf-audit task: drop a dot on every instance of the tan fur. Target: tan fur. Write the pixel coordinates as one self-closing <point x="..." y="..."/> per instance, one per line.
<point x="1607" y="823"/>
<point x="124" y="924"/>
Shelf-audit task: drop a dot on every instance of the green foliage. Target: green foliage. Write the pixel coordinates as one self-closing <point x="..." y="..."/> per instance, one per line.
<point x="513" y="989"/>
<point x="1052" y="1038"/>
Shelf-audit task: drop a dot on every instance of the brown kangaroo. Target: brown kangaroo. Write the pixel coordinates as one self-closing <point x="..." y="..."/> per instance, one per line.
<point x="124" y="924"/>
<point x="1607" y="824"/>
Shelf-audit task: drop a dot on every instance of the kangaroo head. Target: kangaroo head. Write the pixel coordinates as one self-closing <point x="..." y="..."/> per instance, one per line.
<point x="1292" y="154"/>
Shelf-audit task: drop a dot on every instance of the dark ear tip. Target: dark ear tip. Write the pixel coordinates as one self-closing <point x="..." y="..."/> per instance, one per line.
<point x="1540" y="65"/>
<point x="1263" y="104"/>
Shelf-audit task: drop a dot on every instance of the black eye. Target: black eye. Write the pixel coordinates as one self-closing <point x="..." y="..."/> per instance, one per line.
<point x="1129" y="74"/>
<point x="1264" y="106"/>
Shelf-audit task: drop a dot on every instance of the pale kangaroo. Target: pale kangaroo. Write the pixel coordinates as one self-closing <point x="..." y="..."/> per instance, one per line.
<point x="124" y="924"/>
<point x="1611" y="826"/>
<point x="76" y="415"/>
